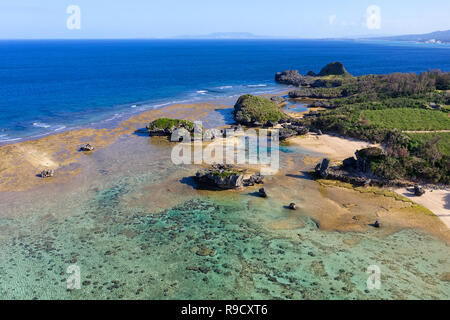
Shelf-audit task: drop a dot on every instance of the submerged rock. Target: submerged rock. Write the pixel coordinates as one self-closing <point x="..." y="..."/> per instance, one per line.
<point x="254" y="179"/>
<point x="47" y="173"/>
<point x="376" y="224"/>
<point x="87" y="147"/>
<point x="262" y="193"/>
<point x="205" y="251"/>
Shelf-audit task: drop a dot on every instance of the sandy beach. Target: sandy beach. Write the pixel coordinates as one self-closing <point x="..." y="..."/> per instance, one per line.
<point x="335" y="147"/>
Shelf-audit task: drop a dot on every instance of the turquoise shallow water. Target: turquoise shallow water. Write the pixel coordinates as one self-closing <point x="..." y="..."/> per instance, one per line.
<point x="208" y="246"/>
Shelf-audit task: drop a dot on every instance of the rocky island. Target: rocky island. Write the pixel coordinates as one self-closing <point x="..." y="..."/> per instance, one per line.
<point x="255" y="111"/>
<point x="225" y="177"/>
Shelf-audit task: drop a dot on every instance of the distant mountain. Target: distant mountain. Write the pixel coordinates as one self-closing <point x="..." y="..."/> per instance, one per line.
<point x="433" y="37"/>
<point x="224" y="35"/>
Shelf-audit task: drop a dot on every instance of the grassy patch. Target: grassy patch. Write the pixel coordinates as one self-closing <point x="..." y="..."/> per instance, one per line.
<point x="225" y="173"/>
<point x="408" y="119"/>
<point x="164" y="123"/>
<point x="444" y="140"/>
<point x="418" y="209"/>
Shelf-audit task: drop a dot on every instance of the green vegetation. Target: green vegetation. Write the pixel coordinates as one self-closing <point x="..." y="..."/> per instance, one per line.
<point x="378" y="108"/>
<point x="408" y="119"/>
<point x="166" y="123"/>
<point x="442" y="140"/>
<point x="318" y="93"/>
<point x="250" y="110"/>
<point x="373" y="190"/>
<point x="225" y="173"/>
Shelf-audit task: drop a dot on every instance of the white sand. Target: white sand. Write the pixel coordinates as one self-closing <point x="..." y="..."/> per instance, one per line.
<point x="438" y="201"/>
<point x="334" y="147"/>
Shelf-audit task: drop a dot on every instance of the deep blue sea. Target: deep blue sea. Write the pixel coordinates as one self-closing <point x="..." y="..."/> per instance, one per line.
<point x="51" y="86"/>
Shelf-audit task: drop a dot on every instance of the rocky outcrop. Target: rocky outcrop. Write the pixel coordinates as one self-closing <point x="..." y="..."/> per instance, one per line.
<point x="314" y="94"/>
<point x="278" y="99"/>
<point x="47" y="173"/>
<point x="321" y="104"/>
<point x="262" y="193"/>
<point x="220" y="177"/>
<point x="365" y="157"/>
<point x="223" y="177"/>
<point x="211" y="134"/>
<point x="256" y="111"/>
<point x="333" y="68"/>
<point x="286" y="133"/>
<point x="231" y="132"/>
<point x="355" y="173"/>
<point x="87" y="148"/>
<point x="293" y="77"/>
<point x="327" y="83"/>
<point x="322" y="168"/>
<point x="254" y="179"/>
<point x="177" y="130"/>
<point x="292" y="129"/>
<point x="418" y="191"/>
<point x="376" y="224"/>
<point x="169" y="127"/>
<point x="349" y="163"/>
<point x="270" y="124"/>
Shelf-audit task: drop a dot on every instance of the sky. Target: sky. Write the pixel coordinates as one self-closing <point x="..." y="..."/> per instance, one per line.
<point x="38" y="19"/>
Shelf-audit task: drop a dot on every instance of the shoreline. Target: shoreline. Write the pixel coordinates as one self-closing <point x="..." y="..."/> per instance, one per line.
<point x="60" y="151"/>
<point x="114" y="120"/>
<point x="338" y="148"/>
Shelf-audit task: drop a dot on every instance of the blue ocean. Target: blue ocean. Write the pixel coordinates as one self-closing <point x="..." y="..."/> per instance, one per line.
<point x="51" y="86"/>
